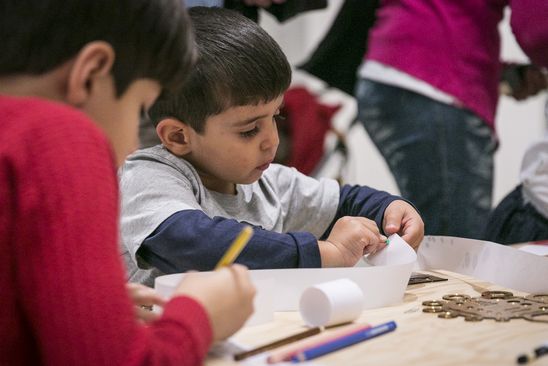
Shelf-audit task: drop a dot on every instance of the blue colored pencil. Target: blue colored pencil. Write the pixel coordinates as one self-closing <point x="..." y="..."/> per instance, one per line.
<point x="342" y="342"/>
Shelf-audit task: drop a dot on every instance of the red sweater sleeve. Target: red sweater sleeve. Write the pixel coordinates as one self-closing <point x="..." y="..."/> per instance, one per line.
<point x="64" y="277"/>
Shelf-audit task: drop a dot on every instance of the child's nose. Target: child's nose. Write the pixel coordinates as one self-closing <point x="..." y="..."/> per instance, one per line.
<point x="272" y="139"/>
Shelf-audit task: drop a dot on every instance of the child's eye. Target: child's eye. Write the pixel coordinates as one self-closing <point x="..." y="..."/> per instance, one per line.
<point x="250" y="133"/>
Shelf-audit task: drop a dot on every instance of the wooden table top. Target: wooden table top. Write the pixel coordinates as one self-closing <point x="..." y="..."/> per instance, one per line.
<point x="421" y="338"/>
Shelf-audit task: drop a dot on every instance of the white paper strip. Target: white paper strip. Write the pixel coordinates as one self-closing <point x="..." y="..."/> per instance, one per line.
<point x="535" y="249"/>
<point x="498" y="264"/>
<point x="263" y="304"/>
<point x="382" y="285"/>
<point x="281" y="289"/>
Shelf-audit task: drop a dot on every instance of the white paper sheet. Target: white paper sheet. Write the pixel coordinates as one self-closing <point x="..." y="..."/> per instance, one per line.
<point x="396" y="252"/>
<point x="535" y="249"/>
<point x="498" y="264"/>
<point x="280" y="289"/>
<point x="382" y="285"/>
<point x="263" y="304"/>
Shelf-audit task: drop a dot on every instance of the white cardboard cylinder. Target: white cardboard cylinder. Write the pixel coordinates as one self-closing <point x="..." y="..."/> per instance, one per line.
<point x="332" y="302"/>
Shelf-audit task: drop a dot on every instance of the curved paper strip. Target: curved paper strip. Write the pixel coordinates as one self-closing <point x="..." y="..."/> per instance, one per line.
<point x="263" y="304"/>
<point x="382" y="279"/>
<point x="498" y="264"/>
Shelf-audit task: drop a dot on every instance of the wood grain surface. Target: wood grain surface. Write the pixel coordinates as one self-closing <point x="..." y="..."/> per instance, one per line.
<point x="421" y="338"/>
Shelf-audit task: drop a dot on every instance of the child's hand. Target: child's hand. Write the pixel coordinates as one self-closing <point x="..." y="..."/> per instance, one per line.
<point x="143" y="299"/>
<point x="226" y="294"/>
<point x="401" y="218"/>
<point x="350" y="238"/>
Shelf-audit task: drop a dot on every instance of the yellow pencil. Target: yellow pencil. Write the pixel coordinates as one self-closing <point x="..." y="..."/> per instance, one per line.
<point x="236" y="247"/>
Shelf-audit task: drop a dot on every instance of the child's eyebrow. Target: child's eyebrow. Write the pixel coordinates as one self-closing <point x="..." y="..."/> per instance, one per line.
<point x="249" y="120"/>
<point x="255" y="118"/>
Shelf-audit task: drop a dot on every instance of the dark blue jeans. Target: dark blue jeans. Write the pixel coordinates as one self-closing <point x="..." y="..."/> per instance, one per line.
<point x="515" y="221"/>
<point x="441" y="156"/>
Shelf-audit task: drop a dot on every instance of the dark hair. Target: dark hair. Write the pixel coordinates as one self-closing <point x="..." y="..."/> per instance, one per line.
<point x="152" y="39"/>
<point x="238" y="64"/>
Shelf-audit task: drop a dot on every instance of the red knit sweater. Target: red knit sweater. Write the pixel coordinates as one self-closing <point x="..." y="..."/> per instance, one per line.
<point x="62" y="294"/>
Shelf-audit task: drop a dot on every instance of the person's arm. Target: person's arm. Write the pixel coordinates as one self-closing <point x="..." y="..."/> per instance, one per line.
<point x="70" y="277"/>
<point x="528" y="22"/>
<point x="392" y="214"/>
<point x="362" y="201"/>
<point x="190" y="240"/>
<point x="522" y="81"/>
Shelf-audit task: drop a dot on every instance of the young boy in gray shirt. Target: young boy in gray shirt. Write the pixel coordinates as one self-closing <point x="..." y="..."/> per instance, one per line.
<point x="184" y="201"/>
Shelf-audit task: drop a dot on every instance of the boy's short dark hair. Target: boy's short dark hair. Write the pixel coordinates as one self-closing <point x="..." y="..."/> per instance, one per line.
<point x="238" y="64"/>
<point x="152" y="39"/>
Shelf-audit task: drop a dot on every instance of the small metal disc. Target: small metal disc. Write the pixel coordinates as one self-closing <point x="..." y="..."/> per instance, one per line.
<point x="432" y="309"/>
<point x="456" y="297"/>
<point x="433" y="303"/>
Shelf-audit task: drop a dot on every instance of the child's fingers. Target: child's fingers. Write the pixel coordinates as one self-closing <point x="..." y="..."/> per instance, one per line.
<point x="143" y="295"/>
<point x="394" y="215"/>
<point x="377" y="237"/>
<point x="392" y="221"/>
<point x="373" y="243"/>
<point x="149" y="300"/>
<point x="371" y="227"/>
<point x="413" y="233"/>
<point x="145" y="314"/>
<point x="371" y="238"/>
<point x="374" y="247"/>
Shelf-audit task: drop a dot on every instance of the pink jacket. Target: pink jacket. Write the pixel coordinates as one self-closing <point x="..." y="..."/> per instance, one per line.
<point x="455" y="45"/>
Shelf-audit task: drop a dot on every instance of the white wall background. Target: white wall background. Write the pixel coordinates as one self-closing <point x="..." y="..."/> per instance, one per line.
<point x="518" y="123"/>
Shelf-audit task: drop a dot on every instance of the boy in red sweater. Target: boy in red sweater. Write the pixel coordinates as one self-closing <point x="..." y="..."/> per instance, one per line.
<point x="74" y="77"/>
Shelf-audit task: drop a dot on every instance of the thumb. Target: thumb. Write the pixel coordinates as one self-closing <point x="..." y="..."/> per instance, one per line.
<point x="392" y="219"/>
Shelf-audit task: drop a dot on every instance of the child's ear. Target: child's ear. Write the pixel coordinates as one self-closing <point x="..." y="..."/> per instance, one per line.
<point x="175" y="136"/>
<point x="92" y="63"/>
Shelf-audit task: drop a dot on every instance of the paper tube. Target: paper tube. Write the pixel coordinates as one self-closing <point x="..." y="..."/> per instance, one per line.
<point x="331" y="303"/>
